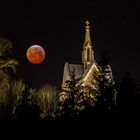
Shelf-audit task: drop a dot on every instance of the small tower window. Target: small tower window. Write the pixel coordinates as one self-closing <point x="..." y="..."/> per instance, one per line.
<point x="88" y="54"/>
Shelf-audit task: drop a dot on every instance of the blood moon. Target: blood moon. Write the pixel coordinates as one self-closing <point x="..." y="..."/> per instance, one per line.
<point x="35" y="54"/>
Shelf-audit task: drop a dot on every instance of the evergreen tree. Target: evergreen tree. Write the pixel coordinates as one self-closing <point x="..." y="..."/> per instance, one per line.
<point x="77" y="98"/>
<point x="67" y="97"/>
<point x="108" y="93"/>
<point x="107" y="101"/>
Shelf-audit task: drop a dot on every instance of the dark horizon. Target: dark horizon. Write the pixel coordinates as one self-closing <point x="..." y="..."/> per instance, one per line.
<point x="60" y="28"/>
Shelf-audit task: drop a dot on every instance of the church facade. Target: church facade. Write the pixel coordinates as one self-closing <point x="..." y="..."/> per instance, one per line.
<point x="89" y="70"/>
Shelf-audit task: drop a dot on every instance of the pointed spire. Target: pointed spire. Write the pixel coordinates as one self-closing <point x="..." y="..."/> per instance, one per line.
<point x="87" y="53"/>
<point x="87" y="35"/>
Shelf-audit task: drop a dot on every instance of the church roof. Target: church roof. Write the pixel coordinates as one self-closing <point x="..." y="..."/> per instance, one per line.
<point x="91" y="67"/>
<point x="69" y="68"/>
<point x="78" y="70"/>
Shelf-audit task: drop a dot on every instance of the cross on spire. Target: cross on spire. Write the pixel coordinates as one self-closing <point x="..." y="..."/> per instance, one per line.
<point x="87" y="34"/>
<point x="87" y="22"/>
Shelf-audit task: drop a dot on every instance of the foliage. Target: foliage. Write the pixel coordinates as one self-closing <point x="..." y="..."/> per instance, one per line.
<point x="27" y="107"/>
<point x="6" y="64"/>
<point x="107" y="99"/>
<point x="5" y="61"/>
<point x="47" y="98"/>
<point x="5" y="46"/>
<point x="128" y="94"/>
<point x="77" y="98"/>
<point x="17" y="88"/>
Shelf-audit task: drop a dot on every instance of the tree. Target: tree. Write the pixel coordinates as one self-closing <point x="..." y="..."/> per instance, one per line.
<point x="107" y="100"/>
<point x="27" y="108"/>
<point x="47" y="97"/>
<point x="17" y="87"/>
<point x="108" y="93"/>
<point x="76" y="98"/>
<point x="127" y="93"/>
<point x="67" y="97"/>
<point x="6" y="65"/>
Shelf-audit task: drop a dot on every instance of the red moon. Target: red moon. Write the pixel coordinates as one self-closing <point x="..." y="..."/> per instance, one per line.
<point x="35" y="54"/>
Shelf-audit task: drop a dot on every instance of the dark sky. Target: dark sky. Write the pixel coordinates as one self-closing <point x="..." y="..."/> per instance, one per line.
<point x="59" y="28"/>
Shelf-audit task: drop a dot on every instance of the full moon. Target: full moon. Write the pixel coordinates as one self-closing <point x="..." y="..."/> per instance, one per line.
<point x="35" y="54"/>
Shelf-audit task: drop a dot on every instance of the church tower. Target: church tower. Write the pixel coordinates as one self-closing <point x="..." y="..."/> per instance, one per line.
<point x="87" y="53"/>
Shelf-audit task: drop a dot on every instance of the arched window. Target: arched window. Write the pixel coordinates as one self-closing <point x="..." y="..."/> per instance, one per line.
<point x="88" y="54"/>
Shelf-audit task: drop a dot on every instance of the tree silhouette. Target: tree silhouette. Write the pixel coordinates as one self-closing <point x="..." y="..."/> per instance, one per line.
<point x="76" y="99"/>
<point x="127" y="94"/>
<point x="47" y="98"/>
<point x="67" y="97"/>
<point x="7" y="67"/>
<point x="108" y="93"/>
<point x="28" y="107"/>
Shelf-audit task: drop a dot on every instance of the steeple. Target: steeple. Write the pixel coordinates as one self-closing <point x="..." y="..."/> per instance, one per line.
<point x="87" y="53"/>
<point x="87" y="35"/>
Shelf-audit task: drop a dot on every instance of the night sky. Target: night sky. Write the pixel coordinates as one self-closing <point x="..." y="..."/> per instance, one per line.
<point x="59" y="27"/>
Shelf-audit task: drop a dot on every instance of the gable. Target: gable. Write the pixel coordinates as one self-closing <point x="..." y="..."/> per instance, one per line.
<point x="91" y="74"/>
<point x="68" y="69"/>
<point x="78" y="69"/>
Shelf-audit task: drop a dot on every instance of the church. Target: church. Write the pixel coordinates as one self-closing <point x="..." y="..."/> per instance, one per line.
<point x="89" y="76"/>
<point x="89" y="70"/>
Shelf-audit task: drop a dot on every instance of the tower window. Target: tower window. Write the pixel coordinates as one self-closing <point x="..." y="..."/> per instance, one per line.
<point x="88" y="54"/>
